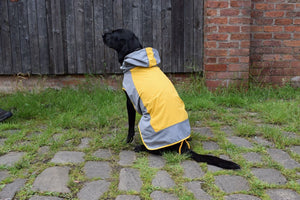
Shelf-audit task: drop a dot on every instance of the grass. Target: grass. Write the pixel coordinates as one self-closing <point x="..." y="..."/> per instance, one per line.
<point x="59" y="119"/>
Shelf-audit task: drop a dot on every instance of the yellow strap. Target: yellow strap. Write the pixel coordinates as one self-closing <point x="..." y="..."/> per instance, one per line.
<point x="179" y="151"/>
<point x="188" y="144"/>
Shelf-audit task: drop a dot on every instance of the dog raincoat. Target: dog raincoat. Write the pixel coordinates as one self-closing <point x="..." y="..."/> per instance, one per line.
<point x="164" y="120"/>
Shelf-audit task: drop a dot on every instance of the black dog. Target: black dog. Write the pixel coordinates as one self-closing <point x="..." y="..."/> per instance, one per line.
<point x="164" y="124"/>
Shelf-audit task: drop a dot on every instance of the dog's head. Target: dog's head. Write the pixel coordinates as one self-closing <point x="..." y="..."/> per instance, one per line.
<point x="123" y="41"/>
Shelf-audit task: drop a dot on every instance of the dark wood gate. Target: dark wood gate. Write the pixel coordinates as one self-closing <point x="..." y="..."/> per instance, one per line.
<point x="64" y="36"/>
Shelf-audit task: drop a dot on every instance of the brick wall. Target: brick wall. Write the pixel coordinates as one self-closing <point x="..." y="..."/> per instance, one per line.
<point x="251" y="38"/>
<point x="275" y="40"/>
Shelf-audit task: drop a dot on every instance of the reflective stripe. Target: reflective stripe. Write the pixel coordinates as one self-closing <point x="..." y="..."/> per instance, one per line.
<point x="164" y="138"/>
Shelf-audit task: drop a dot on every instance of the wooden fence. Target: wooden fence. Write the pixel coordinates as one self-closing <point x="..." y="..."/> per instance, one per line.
<point x="65" y="36"/>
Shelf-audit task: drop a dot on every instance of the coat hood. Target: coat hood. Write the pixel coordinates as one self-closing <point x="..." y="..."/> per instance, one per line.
<point x="147" y="57"/>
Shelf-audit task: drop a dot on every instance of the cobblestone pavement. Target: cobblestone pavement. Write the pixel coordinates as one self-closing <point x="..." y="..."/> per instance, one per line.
<point x="102" y="167"/>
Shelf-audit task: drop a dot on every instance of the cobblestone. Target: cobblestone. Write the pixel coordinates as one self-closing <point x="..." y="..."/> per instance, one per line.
<point x="271" y="176"/>
<point x="163" y="180"/>
<point x="283" y="158"/>
<point x="232" y="183"/>
<point x="52" y="179"/>
<point x="100" y="168"/>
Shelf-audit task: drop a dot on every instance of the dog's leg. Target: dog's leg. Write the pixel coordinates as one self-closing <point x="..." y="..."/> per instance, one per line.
<point x="131" y="120"/>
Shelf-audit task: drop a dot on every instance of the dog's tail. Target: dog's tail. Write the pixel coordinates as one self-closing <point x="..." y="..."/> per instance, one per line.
<point x="213" y="160"/>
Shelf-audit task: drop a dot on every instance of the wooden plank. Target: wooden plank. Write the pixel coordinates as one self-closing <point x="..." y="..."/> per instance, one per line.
<point x="188" y="50"/>
<point x="137" y="19"/>
<point x="33" y="35"/>
<point x="79" y="34"/>
<point x="58" y="53"/>
<point x="177" y="38"/>
<point x="13" y="15"/>
<point x="118" y="14"/>
<point x="166" y="35"/>
<point x="5" y="40"/>
<point x="128" y="14"/>
<point x="1" y="47"/>
<point x="50" y="36"/>
<point x="43" y="36"/>
<point x="89" y="35"/>
<point x="108" y="25"/>
<point x="198" y="34"/>
<point x="56" y="61"/>
<point x="118" y="23"/>
<point x="99" y="46"/>
<point x="24" y="37"/>
<point x="64" y="66"/>
<point x="70" y="37"/>
<point x="156" y="25"/>
<point x="147" y="23"/>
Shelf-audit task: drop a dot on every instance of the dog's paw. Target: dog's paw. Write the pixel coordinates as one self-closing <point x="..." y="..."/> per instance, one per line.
<point x="129" y="139"/>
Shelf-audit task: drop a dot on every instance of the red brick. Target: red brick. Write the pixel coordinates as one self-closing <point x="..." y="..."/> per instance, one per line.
<point x="256" y="43"/>
<point x="240" y="4"/>
<point x="215" y="67"/>
<point x="263" y="50"/>
<point x="229" y="60"/>
<point x="292" y="14"/>
<point x="211" y="60"/>
<point x="245" y="59"/>
<point x="274" y="14"/>
<point x="211" y="12"/>
<point x="245" y="44"/>
<point x="283" y="21"/>
<point x="280" y="64"/>
<point x="282" y="50"/>
<point x="216" y="4"/>
<point x="238" y="52"/>
<point x="295" y="64"/>
<point x="229" y="29"/>
<point x="282" y="36"/>
<point x="263" y="21"/>
<point x="296" y="21"/>
<point x="285" y="6"/>
<point x="272" y="43"/>
<point x="273" y="28"/>
<point x="211" y="29"/>
<point x="238" y="67"/>
<point x="216" y="52"/>
<point x="264" y="6"/>
<point x="225" y="75"/>
<point x="296" y="35"/>
<point x="246" y="29"/>
<point x="239" y="20"/>
<point x="217" y="20"/>
<point x="210" y="44"/>
<point x="241" y="36"/>
<point x="257" y="28"/>
<point x="262" y="35"/>
<point x="272" y="57"/>
<point x="245" y="12"/>
<point x="218" y="37"/>
<point x="229" y="12"/>
<point x="228" y="44"/>
<point x="210" y="75"/>
<point x="292" y="43"/>
<point x="292" y="29"/>
<point x="256" y="14"/>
